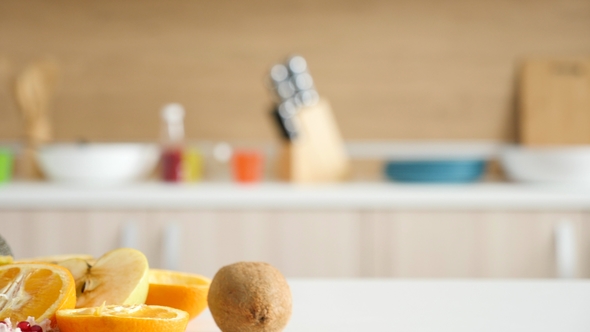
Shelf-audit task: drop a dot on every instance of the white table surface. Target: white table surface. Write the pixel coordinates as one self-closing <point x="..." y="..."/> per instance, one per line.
<point x="354" y="195"/>
<point x="428" y="305"/>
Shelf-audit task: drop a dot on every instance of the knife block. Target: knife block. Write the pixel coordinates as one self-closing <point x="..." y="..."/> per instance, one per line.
<point x="318" y="153"/>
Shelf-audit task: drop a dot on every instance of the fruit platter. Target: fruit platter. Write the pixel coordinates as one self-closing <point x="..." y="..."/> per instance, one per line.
<point x="119" y="292"/>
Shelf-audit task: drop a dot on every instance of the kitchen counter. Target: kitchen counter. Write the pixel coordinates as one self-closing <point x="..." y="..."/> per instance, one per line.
<point x="428" y="305"/>
<point x="483" y="196"/>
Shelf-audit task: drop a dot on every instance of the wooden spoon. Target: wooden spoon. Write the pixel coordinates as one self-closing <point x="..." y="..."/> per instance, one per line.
<point x="34" y="88"/>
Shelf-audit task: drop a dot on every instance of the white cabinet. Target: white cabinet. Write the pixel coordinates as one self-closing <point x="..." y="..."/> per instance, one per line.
<point x="470" y="244"/>
<point x="41" y="233"/>
<point x="301" y="244"/>
<point x="311" y="243"/>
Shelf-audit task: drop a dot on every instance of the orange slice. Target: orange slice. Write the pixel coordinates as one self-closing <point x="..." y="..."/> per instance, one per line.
<point x="36" y="290"/>
<point x="122" y="318"/>
<point x="184" y="291"/>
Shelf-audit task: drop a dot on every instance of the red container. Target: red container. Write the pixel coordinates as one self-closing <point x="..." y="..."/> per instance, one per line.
<point x="172" y="165"/>
<point x="248" y="166"/>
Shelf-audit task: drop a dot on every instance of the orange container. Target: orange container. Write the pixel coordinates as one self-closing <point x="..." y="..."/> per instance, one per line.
<point x="248" y="166"/>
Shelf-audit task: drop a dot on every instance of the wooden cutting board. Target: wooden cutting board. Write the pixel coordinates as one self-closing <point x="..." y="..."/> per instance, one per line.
<point x="554" y="102"/>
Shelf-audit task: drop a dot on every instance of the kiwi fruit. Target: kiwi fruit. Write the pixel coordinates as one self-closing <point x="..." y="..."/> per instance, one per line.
<point x="4" y="248"/>
<point x="250" y="297"/>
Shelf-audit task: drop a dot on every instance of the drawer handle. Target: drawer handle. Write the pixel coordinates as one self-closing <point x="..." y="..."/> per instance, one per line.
<point x="129" y="235"/>
<point x="171" y="249"/>
<point x="565" y="250"/>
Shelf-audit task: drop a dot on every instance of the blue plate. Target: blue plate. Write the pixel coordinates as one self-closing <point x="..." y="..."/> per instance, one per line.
<point x="437" y="171"/>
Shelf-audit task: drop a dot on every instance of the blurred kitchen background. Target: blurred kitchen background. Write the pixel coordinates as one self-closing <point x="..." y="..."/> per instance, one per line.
<point x="450" y="138"/>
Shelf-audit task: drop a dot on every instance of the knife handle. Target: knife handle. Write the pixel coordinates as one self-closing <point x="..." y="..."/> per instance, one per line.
<point x="286" y="125"/>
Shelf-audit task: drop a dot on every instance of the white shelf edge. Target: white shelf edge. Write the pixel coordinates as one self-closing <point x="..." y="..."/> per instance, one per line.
<point x="282" y="196"/>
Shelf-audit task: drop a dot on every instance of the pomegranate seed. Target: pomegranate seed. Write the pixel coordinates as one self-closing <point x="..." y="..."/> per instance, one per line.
<point x="24" y="326"/>
<point x="36" y="328"/>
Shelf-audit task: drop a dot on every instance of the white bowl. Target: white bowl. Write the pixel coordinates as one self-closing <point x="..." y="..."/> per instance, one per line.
<point x="102" y="164"/>
<point x="547" y="165"/>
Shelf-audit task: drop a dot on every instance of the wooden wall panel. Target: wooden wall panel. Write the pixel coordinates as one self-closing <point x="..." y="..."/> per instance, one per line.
<point x="401" y="69"/>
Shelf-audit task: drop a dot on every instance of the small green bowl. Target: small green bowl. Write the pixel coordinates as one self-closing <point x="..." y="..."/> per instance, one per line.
<point x="6" y="164"/>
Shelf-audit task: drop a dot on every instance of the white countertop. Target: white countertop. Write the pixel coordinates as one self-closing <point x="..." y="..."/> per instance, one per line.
<point x="357" y="196"/>
<point x="428" y="305"/>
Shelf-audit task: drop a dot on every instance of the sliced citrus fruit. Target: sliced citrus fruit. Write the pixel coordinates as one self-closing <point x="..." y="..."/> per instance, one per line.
<point x="6" y="260"/>
<point x="184" y="291"/>
<point x="35" y="290"/>
<point x="122" y="318"/>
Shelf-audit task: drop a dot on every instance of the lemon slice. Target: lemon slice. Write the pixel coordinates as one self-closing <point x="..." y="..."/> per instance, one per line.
<point x="6" y="260"/>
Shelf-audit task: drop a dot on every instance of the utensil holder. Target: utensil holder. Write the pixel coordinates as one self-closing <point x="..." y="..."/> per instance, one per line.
<point x="318" y="153"/>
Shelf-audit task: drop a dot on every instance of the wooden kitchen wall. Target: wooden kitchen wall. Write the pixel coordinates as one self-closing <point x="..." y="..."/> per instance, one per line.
<point x="393" y="69"/>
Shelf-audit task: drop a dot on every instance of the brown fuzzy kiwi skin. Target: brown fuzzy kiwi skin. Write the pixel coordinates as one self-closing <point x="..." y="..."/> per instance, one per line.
<point x="250" y="297"/>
